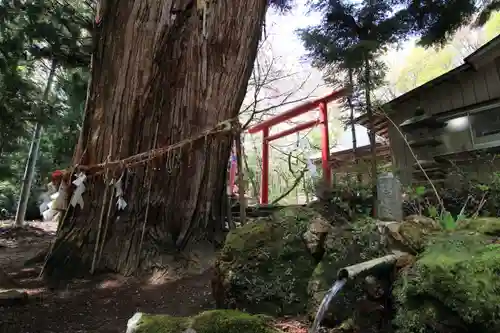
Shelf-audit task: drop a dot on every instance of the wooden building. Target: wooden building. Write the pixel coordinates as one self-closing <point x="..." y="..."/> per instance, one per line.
<point x="451" y="123"/>
<point x="343" y="166"/>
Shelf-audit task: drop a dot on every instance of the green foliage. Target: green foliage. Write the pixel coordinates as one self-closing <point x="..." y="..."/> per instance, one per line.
<point x="7" y="197"/>
<point x="353" y="34"/>
<point x="351" y="31"/>
<point x="47" y="30"/>
<point x="436" y="21"/>
<point x="447" y="221"/>
<point x="420" y="190"/>
<point x="33" y="32"/>
<point x="492" y="26"/>
<point x="422" y="206"/>
<point x="215" y="321"/>
<point x="32" y="35"/>
<point x="432" y="211"/>
<point x="471" y="200"/>
<point x="354" y="198"/>
<point x="349" y="36"/>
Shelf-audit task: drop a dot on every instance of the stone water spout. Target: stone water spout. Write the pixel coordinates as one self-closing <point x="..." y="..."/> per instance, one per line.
<point x="348" y="273"/>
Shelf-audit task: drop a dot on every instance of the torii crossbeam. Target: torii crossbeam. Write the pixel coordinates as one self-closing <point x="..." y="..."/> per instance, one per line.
<point x="265" y="126"/>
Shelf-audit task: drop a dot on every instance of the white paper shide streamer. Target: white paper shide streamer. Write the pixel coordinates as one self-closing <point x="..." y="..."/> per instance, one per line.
<point x="306" y="147"/>
<point x="53" y="201"/>
<point x="121" y="203"/>
<point x="77" y="198"/>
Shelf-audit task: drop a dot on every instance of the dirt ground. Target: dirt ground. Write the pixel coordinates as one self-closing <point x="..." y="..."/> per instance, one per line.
<point x="102" y="304"/>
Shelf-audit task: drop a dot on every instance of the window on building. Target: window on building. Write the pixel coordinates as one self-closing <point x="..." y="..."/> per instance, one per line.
<point x="486" y="128"/>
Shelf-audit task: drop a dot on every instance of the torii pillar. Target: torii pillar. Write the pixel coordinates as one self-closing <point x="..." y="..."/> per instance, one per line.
<point x="265" y="126"/>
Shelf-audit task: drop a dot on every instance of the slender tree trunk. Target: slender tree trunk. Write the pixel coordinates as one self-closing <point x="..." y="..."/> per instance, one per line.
<point x="158" y="63"/>
<point x="371" y="132"/>
<point x="251" y="177"/>
<point x="353" y="127"/>
<point x="306" y="191"/>
<point x="29" y="171"/>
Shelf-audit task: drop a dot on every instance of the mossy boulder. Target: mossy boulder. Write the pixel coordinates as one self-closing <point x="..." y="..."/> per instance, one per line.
<point x="454" y="285"/>
<point x="410" y="235"/>
<point x="265" y="265"/>
<point x="215" y="321"/>
<point x="485" y="225"/>
<point x="361" y="301"/>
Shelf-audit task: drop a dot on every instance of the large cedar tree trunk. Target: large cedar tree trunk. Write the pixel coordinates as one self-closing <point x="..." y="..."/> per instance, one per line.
<point x="154" y="63"/>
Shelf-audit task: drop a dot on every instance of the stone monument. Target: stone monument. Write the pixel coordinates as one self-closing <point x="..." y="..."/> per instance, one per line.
<point x="389" y="198"/>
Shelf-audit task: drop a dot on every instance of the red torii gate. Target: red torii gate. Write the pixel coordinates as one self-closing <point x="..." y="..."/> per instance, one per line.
<point x="265" y="125"/>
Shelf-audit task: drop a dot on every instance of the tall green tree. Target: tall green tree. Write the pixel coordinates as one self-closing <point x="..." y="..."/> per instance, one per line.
<point x="34" y="34"/>
<point x="436" y="21"/>
<point x="350" y="37"/>
<point x="423" y="65"/>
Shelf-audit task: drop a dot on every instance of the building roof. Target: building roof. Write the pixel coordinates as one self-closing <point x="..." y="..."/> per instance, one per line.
<point x="380" y="123"/>
<point x="346" y="156"/>
<point x="471" y="62"/>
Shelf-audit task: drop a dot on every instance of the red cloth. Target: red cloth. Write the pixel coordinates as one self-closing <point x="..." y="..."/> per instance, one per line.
<point x="57" y="174"/>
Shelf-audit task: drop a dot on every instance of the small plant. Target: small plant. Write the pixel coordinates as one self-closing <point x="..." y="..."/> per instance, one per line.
<point x="417" y="201"/>
<point x="353" y="197"/>
<point x="422" y="205"/>
<point x="432" y="211"/>
<point x="447" y="221"/>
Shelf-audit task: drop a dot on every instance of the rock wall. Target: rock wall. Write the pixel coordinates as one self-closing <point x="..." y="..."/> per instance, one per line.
<point x="285" y="264"/>
<point x="264" y="266"/>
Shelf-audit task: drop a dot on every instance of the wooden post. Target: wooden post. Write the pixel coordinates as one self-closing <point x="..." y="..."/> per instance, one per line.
<point x="264" y="184"/>
<point x="241" y="184"/>
<point x="325" y="145"/>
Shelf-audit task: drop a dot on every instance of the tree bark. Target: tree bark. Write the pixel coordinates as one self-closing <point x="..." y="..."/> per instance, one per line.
<point x="371" y="131"/>
<point x="353" y="127"/>
<point x="251" y="177"/>
<point x="159" y="62"/>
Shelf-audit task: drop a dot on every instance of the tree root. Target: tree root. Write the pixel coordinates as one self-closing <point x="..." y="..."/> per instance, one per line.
<point x="64" y="254"/>
<point x="38" y="258"/>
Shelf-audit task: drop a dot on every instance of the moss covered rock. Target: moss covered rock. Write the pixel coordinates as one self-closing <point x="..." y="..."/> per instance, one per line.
<point x="359" y="300"/>
<point x="410" y="235"/>
<point x="264" y="266"/>
<point x="484" y="225"/>
<point x="215" y="321"/>
<point x="454" y="285"/>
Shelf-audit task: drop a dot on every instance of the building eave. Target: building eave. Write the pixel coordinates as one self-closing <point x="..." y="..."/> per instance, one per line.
<point x="485" y="53"/>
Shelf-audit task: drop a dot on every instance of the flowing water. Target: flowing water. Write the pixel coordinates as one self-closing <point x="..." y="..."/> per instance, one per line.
<point x="334" y="290"/>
